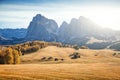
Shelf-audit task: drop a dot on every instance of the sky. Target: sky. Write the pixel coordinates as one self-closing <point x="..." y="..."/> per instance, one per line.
<point x="19" y="13"/>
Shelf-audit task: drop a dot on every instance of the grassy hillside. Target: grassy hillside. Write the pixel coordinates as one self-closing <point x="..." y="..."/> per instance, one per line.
<point x="92" y="65"/>
<point x="86" y="55"/>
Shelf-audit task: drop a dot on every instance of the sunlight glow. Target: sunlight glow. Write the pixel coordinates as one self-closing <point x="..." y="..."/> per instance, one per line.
<point x="105" y="16"/>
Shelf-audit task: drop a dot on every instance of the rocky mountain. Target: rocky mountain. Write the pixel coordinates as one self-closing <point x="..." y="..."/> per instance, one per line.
<point x="62" y="32"/>
<point x="13" y="33"/>
<point x="42" y="28"/>
<point x="83" y="31"/>
<point x="80" y="31"/>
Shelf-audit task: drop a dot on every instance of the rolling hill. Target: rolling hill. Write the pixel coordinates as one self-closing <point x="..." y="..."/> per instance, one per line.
<point x="86" y="55"/>
<point x="92" y="65"/>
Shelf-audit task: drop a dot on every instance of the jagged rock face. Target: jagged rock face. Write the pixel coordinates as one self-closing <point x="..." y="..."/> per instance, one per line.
<point x="82" y="27"/>
<point x="80" y="31"/>
<point x="76" y="29"/>
<point x="62" y="33"/>
<point x="41" y="28"/>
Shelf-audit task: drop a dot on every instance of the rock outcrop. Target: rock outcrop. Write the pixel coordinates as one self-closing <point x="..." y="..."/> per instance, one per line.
<point x="42" y="28"/>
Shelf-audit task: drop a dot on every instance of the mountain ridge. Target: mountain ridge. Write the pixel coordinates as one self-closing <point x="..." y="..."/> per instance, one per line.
<point x="81" y="31"/>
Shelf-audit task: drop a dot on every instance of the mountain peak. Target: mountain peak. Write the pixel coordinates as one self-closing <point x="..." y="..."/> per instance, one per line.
<point x="82" y="17"/>
<point x="38" y="15"/>
<point x="64" y="23"/>
<point x="73" y="20"/>
<point x="42" y="28"/>
<point x="39" y="18"/>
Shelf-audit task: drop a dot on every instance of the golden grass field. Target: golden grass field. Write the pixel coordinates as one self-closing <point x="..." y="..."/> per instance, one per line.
<point x="104" y="66"/>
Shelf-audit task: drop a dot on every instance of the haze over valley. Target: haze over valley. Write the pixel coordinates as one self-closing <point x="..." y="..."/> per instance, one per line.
<point x="59" y="40"/>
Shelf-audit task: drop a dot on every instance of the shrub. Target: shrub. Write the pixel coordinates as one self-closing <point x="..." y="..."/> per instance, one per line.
<point x="50" y="58"/>
<point x="83" y="47"/>
<point x="114" y="54"/>
<point x="62" y="59"/>
<point x="76" y="47"/>
<point x="43" y="58"/>
<point x="56" y="59"/>
<point x="75" y="55"/>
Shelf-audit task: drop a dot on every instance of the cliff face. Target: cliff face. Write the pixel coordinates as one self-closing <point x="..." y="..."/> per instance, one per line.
<point x="41" y="28"/>
<point x="81" y="31"/>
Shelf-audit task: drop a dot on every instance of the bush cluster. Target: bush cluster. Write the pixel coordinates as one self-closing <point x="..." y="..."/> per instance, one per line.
<point x="76" y="47"/>
<point x="75" y="55"/>
<point x="84" y="47"/>
<point x="33" y="46"/>
<point x="29" y="49"/>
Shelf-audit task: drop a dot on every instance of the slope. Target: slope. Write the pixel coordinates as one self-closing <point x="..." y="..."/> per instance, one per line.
<point x="86" y="55"/>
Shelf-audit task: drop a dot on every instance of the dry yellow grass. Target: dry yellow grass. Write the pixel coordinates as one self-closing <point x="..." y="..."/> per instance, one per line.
<point x="90" y="71"/>
<point x="104" y="66"/>
<point x="87" y="55"/>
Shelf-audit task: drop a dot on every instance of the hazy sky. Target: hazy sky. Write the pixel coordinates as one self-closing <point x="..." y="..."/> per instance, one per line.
<point x="18" y="13"/>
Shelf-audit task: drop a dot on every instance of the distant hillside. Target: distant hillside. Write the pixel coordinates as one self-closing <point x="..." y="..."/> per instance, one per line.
<point x="114" y="45"/>
<point x="2" y="38"/>
<point x="83" y="31"/>
<point x="86" y="55"/>
<point x="13" y="33"/>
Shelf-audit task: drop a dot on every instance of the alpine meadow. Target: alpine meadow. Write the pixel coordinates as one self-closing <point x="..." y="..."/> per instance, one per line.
<point x="59" y="40"/>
